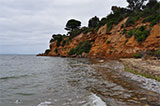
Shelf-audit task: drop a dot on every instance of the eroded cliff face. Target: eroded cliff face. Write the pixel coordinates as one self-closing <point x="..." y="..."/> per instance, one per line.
<point x="113" y="44"/>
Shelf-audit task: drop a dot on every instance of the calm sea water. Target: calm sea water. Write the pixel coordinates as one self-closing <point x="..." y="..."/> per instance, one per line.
<point x="28" y="80"/>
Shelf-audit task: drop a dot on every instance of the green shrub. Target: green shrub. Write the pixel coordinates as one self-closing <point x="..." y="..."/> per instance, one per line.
<point x="103" y="21"/>
<point x="158" y="52"/>
<point x="47" y="51"/>
<point x="141" y="36"/>
<point x="148" y="19"/>
<point x="109" y="28"/>
<point x="52" y="40"/>
<point x="108" y="42"/>
<point x="145" y="12"/>
<point x="137" y="55"/>
<point x="88" y="30"/>
<point x="64" y="43"/>
<point x="58" y="38"/>
<point x="142" y="28"/>
<point x="81" y="47"/>
<point x="155" y="21"/>
<point x="72" y="24"/>
<point x="129" y="34"/>
<point x="72" y="52"/>
<point x="75" y="32"/>
<point x="131" y="21"/>
<point x="114" y="18"/>
<point x="137" y="18"/>
<point x="59" y="41"/>
<point x="93" y="22"/>
<point x="124" y="31"/>
<point x="153" y="17"/>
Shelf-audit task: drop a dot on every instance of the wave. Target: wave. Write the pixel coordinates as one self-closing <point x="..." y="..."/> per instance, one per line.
<point x="25" y="94"/>
<point x="13" y="77"/>
<point x="46" y="103"/>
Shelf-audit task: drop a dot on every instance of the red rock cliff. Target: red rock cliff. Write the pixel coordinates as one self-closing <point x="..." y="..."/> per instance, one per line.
<point x="113" y="44"/>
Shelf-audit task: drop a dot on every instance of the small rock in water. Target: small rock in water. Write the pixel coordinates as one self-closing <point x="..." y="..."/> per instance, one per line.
<point x="18" y="101"/>
<point x="153" y="84"/>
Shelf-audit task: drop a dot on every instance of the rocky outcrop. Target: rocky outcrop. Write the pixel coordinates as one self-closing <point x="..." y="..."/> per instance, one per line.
<point x="113" y="44"/>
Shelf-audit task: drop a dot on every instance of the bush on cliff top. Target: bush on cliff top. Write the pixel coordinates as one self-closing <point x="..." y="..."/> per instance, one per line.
<point x="60" y="38"/>
<point x="93" y="22"/>
<point x="72" y="24"/>
<point x="56" y="37"/>
<point x="130" y="21"/>
<point x="149" y="13"/>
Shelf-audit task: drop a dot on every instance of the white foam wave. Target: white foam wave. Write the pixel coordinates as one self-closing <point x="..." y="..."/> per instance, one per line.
<point x="95" y="101"/>
<point x="46" y="103"/>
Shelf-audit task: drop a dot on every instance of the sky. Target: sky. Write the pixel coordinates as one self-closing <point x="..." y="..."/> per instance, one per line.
<point x="26" y="26"/>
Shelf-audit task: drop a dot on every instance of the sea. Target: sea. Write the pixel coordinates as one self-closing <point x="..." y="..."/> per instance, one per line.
<point x="30" y="80"/>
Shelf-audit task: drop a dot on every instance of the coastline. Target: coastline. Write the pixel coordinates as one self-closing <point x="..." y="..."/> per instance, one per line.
<point x="146" y="68"/>
<point x="118" y="68"/>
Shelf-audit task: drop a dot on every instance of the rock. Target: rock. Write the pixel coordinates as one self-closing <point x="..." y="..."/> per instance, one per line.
<point x="118" y="47"/>
<point x="101" y="61"/>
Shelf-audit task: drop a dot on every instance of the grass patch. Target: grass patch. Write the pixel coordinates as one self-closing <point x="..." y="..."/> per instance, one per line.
<point x="128" y="69"/>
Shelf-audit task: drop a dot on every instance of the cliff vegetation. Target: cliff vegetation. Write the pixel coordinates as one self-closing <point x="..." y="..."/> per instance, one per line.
<point x="126" y="32"/>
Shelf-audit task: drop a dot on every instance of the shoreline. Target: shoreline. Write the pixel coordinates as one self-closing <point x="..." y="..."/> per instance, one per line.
<point x="146" y="68"/>
<point x="118" y="68"/>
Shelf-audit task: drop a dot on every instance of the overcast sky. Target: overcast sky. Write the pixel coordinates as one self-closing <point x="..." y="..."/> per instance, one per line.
<point x="26" y="26"/>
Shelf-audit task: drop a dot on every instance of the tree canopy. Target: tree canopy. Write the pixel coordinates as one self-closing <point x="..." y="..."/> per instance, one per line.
<point x="93" y="22"/>
<point x="135" y="4"/>
<point x="151" y="3"/>
<point x="72" y="24"/>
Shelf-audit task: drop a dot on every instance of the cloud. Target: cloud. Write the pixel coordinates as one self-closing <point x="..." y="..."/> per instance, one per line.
<point x="26" y="26"/>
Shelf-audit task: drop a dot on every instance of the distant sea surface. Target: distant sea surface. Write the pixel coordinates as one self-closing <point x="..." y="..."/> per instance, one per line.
<point x="28" y="80"/>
